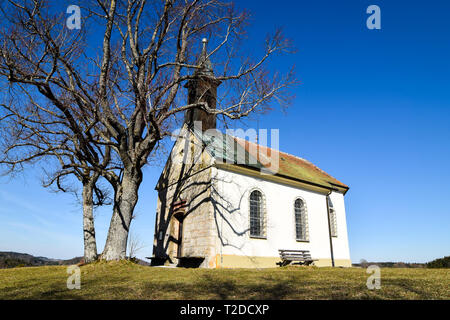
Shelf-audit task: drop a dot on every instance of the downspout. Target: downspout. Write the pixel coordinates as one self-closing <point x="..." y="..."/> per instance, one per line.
<point x="329" y="229"/>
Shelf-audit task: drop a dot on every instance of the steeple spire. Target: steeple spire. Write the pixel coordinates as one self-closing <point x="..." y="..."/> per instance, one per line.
<point x="203" y="62"/>
<point x="205" y="42"/>
<point x="203" y="88"/>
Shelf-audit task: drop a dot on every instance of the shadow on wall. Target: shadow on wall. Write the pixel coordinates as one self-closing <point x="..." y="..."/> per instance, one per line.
<point x="176" y="185"/>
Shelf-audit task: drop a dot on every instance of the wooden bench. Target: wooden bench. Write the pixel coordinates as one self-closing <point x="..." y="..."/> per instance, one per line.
<point x="300" y="256"/>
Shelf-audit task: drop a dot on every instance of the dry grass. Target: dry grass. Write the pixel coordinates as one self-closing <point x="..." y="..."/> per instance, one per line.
<point x="125" y="280"/>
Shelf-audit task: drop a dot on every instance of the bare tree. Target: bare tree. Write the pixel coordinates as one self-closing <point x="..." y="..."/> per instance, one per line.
<point x="134" y="245"/>
<point x="129" y="98"/>
<point x="37" y="116"/>
<point x="30" y="133"/>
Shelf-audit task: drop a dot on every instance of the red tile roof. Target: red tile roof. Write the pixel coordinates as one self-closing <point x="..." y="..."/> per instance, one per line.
<point x="292" y="167"/>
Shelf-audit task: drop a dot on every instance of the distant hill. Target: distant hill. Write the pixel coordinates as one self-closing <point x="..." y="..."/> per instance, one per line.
<point x="365" y="264"/>
<point x="439" y="263"/>
<point x="16" y="259"/>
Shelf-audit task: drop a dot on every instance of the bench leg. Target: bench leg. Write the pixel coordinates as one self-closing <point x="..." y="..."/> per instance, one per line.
<point x="283" y="263"/>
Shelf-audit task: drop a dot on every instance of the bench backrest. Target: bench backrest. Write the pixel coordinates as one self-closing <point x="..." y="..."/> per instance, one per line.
<point x="301" y="254"/>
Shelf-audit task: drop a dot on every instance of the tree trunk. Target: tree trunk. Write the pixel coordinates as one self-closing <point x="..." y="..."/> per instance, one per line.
<point x="125" y="200"/>
<point x="90" y="245"/>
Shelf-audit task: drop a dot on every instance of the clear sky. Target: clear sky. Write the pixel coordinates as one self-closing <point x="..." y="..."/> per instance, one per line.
<point x="372" y="109"/>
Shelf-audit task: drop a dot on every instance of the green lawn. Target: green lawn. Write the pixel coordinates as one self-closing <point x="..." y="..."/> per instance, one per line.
<point x="125" y="280"/>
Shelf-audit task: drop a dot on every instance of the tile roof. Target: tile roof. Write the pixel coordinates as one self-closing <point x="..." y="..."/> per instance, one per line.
<point x="249" y="154"/>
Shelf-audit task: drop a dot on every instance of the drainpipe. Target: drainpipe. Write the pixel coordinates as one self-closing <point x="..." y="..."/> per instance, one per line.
<point x="329" y="229"/>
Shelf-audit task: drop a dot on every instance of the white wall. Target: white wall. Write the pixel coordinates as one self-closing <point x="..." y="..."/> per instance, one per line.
<point x="340" y="243"/>
<point x="234" y="190"/>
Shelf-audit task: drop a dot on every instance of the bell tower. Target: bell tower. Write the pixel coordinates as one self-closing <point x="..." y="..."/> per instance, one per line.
<point x="203" y="88"/>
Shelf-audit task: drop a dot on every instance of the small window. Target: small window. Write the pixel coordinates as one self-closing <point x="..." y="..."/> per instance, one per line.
<point x="333" y="223"/>
<point x="332" y="217"/>
<point x="257" y="215"/>
<point x="301" y="221"/>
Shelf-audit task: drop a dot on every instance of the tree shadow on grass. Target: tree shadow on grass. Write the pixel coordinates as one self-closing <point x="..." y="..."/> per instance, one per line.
<point x="26" y="292"/>
<point x="404" y="286"/>
<point x="210" y="287"/>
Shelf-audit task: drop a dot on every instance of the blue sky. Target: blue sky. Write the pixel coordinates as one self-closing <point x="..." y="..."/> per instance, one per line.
<point x="372" y="109"/>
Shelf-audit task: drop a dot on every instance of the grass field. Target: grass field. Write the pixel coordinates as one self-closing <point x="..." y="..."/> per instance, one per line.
<point x="126" y="280"/>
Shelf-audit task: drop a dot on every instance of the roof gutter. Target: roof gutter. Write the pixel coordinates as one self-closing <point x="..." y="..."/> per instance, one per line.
<point x="252" y="171"/>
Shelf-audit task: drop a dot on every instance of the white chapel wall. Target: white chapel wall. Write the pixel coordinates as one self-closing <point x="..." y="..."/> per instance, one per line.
<point x="232" y="218"/>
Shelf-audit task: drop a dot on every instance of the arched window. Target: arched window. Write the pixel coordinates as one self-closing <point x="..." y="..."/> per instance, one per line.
<point x="257" y="228"/>
<point x="301" y="221"/>
<point x="332" y="218"/>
